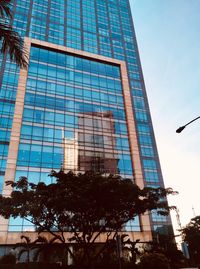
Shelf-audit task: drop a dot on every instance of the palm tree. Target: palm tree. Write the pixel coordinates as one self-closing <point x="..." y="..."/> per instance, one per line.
<point x="41" y="246"/>
<point x="12" y="43"/>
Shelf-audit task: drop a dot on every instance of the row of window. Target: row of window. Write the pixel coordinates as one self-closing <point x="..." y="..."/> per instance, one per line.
<point x="70" y="120"/>
<point x="56" y="135"/>
<point x="77" y="63"/>
<point x="52" y="157"/>
<point x="72" y="106"/>
<point x="53" y="87"/>
<point x="19" y="225"/>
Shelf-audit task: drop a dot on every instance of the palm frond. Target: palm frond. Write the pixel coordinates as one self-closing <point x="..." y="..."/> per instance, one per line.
<point x="14" y="45"/>
<point x="5" y="8"/>
<point x="41" y="239"/>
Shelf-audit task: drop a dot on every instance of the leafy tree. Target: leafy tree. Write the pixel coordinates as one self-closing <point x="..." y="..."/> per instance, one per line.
<point x="191" y="234"/>
<point x="11" y="42"/>
<point x="90" y="206"/>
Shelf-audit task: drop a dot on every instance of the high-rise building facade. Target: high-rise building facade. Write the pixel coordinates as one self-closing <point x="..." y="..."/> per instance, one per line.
<point x="80" y="105"/>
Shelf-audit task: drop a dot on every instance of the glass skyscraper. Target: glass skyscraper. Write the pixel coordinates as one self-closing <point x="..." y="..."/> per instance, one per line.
<point x="81" y="105"/>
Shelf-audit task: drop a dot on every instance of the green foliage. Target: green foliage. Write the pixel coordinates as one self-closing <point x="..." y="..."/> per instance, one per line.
<point x="88" y="205"/>
<point x="191" y="234"/>
<point x="12" y="43"/>
<point x="5" y="9"/>
<point x="154" y="261"/>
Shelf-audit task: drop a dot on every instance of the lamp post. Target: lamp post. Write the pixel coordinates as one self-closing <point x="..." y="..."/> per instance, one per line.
<point x="180" y="129"/>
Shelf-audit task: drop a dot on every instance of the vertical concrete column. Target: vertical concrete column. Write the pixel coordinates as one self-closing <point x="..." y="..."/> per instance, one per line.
<point x="14" y="140"/>
<point x="134" y="147"/>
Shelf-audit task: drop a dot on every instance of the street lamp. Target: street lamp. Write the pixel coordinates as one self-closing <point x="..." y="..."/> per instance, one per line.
<point x="180" y="129"/>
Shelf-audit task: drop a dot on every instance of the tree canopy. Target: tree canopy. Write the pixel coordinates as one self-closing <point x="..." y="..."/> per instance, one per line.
<point x="88" y="205"/>
<point x="191" y="234"/>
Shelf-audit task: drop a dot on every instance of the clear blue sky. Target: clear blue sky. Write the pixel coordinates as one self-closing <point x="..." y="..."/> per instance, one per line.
<point x="168" y="35"/>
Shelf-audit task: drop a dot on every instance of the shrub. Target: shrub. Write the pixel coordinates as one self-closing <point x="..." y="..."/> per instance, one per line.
<point x="8" y="259"/>
<point x="154" y="261"/>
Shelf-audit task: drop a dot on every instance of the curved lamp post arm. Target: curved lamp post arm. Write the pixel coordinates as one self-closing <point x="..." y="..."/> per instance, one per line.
<point x="180" y="129"/>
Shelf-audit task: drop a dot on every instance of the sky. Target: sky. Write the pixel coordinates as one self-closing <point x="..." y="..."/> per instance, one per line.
<point x="168" y="36"/>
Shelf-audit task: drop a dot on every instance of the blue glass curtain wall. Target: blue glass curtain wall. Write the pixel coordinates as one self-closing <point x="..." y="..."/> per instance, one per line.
<point x="98" y="26"/>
